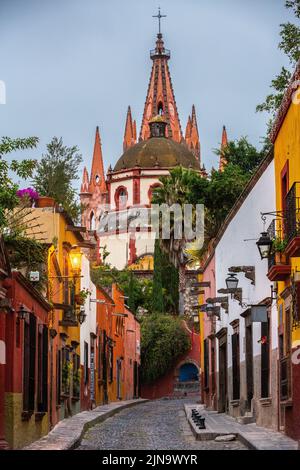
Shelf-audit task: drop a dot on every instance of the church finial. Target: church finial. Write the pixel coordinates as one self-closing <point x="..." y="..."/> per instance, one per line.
<point x="159" y="16"/>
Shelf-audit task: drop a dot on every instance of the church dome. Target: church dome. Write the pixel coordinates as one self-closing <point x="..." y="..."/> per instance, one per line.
<point x="157" y="152"/>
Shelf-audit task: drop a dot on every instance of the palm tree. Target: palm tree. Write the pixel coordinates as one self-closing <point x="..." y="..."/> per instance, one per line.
<point x="177" y="188"/>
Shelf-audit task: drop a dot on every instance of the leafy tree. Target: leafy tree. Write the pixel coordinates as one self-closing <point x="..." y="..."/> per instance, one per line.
<point x="223" y="191"/>
<point x="157" y="293"/>
<point x="139" y="291"/>
<point x="55" y="174"/>
<point x="163" y="342"/>
<point x="290" y="45"/>
<point x="242" y="154"/>
<point x="21" y="169"/>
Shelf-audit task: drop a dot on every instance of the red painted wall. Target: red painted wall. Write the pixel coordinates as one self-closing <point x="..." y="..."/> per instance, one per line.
<point x="164" y="387"/>
<point x="132" y="345"/>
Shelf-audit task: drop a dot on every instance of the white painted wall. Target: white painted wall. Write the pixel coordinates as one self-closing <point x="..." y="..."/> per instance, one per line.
<point x="89" y="325"/>
<point x="233" y="250"/>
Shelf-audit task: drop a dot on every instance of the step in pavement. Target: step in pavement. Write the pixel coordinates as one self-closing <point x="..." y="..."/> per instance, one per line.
<point x="253" y="436"/>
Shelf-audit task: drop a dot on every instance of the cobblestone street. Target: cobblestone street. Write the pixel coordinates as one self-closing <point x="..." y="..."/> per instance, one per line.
<point x="155" y="425"/>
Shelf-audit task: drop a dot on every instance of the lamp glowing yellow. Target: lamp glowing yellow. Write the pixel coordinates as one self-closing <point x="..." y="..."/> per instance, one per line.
<point x="75" y="259"/>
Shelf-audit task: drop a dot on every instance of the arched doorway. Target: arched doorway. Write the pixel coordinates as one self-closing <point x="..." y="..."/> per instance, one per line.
<point x="188" y="373"/>
<point x="187" y="379"/>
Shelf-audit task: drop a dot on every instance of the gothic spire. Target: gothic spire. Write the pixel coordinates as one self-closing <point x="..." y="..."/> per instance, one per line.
<point x="160" y="97"/>
<point x="85" y="182"/>
<point x="130" y="131"/>
<point x="192" y="134"/>
<point x="97" y="179"/>
<point x="224" y="143"/>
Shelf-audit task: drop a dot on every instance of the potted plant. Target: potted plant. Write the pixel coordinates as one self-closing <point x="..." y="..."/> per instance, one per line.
<point x="28" y="196"/>
<point x="76" y="383"/>
<point x="81" y="296"/>
<point x="279" y="246"/>
<point x="65" y="376"/>
<point x="45" y="201"/>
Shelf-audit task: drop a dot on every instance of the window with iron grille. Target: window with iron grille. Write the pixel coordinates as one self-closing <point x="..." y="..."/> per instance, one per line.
<point x="58" y="376"/>
<point x="110" y="364"/>
<point x="235" y="345"/>
<point x="206" y="364"/>
<point x="43" y="368"/>
<point x="213" y="356"/>
<point x="100" y="357"/>
<point x="29" y="364"/>
<point x="76" y="375"/>
<point x="265" y="359"/>
<point x="86" y="362"/>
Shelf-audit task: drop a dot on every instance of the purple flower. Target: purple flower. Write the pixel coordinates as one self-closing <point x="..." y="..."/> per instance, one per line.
<point x="30" y="193"/>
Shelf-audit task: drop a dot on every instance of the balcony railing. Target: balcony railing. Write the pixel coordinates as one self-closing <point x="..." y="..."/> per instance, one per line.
<point x="292" y="215"/>
<point x="154" y="53"/>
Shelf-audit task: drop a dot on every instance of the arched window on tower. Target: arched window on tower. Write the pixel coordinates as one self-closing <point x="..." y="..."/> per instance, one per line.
<point x="160" y="108"/>
<point x="121" y="197"/>
<point x="92" y="221"/>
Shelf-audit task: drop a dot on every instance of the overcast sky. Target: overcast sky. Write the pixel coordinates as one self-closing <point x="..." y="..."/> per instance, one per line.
<point x="70" y="65"/>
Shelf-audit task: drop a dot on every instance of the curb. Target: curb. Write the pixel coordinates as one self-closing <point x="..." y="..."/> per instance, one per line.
<point x="243" y="437"/>
<point x="68" y="433"/>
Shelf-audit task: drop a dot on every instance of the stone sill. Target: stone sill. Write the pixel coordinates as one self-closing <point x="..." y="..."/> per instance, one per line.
<point x="265" y="401"/>
<point x="234" y="403"/>
<point x="26" y="415"/>
<point x="287" y="403"/>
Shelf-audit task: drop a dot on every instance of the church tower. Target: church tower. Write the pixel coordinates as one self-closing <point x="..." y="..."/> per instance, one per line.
<point x="160" y="97"/>
<point x="93" y="191"/>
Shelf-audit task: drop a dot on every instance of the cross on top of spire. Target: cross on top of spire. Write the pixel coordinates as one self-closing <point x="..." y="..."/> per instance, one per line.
<point x="159" y="16"/>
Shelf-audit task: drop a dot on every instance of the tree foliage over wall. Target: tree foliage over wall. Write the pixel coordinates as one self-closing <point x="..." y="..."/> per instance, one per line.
<point x="163" y="341"/>
<point x="13" y="168"/>
<point x="55" y="174"/>
<point x="219" y="192"/>
<point x="290" y="45"/>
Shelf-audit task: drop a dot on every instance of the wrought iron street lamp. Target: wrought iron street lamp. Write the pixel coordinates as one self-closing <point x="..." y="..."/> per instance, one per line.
<point x="232" y="281"/>
<point x="22" y="312"/>
<point x="81" y="315"/>
<point x="264" y="245"/>
<point x="209" y="308"/>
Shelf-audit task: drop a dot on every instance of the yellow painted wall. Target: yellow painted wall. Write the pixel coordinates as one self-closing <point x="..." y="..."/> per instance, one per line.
<point x="20" y="433"/>
<point x="287" y="147"/>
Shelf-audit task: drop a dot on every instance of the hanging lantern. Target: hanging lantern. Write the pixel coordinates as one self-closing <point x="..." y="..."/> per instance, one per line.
<point x="81" y="316"/>
<point x="22" y="312"/>
<point x="75" y="258"/>
<point x="264" y="245"/>
<point x="231" y="281"/>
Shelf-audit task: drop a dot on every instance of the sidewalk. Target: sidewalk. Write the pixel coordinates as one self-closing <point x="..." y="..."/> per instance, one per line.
<point x="253" y="436"/>
<point x="68" y="433"/>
